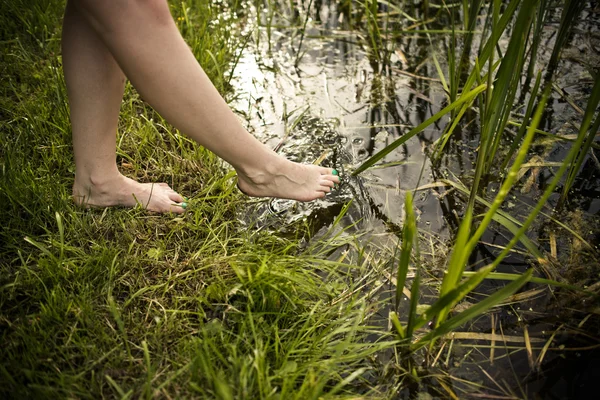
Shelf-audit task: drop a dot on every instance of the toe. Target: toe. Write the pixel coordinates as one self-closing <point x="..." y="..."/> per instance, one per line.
<point x="166" y="206"/>
<point x="176" y="197"/>
<point x="332" y="178"/>
<point x="176" y="208"/>
<point x="324" y="188"/>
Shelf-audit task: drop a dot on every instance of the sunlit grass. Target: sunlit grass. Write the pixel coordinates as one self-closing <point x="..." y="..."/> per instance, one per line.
<point x="129" y="304"/>
<point x="124" y="303"/>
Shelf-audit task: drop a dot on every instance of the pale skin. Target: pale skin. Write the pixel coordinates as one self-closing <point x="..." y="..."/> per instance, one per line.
<point x="106" y="41"/>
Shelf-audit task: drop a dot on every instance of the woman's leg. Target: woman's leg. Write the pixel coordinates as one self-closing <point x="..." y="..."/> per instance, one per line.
<point x="95" y="85"/>
<point x="144" y="40"/>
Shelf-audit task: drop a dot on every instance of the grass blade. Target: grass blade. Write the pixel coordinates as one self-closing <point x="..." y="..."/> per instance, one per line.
<point x="512" y="174"/>
<point x="409" y="232"/>
<point x="552" y="185"/>
<point x="542" y="281"/>
<point x="571" y="10"/>
<point x="523" y="127"/>
<point x="396" y="323"/>
<point x="502" y="218"/>
<point x="587" y="120"/>
<point x="502" y="96"/>
<point x="454" y="296"/>
<point x="414" y="302"/>
<point x="475" y="310"/>
<point x="464" y="98"/>
<point x="457" y="263"/>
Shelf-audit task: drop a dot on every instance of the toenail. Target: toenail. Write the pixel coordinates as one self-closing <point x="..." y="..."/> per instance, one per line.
<point x="184" y="205"/>
<point x="334" y="172"/>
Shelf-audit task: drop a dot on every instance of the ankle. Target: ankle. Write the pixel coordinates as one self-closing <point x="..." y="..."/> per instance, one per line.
<point x="262" y="172"/>
<point x="96" y="181"/>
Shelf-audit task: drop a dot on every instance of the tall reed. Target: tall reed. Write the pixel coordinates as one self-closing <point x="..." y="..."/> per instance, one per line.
<point x="454" y="288"/>
<point x="585" y="138"/>
<point x="570" y="12"/>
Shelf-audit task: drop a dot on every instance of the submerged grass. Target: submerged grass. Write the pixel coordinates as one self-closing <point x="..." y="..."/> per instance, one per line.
<point x="491" y="85"/>
<point x="495" y="97"/>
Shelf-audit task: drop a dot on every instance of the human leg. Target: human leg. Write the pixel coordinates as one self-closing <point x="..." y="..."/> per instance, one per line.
<point x="95" y="85"/>
<point x="143" y="38"/>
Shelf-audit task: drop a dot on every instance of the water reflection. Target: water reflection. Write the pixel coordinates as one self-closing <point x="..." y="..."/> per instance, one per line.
<point x="350" y="97"/>
<point x="365" y="93"/>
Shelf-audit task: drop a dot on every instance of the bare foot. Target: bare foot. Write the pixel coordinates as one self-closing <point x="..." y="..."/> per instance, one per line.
<point x="285" y="179"/>
<point x="125" y="192"/>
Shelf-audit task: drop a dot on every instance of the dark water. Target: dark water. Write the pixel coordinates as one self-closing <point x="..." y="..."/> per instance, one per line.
<point x="339" y="104"/>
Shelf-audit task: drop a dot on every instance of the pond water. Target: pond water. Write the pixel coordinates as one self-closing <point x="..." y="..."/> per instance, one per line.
<point x="324" y="96"/>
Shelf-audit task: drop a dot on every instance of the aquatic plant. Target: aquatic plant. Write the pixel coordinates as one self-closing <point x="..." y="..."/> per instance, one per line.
<point x="453" y="289"/>
<point x="587" y="132"/>
<point x="500" y="75"/>
<point x="120" y="303"/>
<point x="498" y="86"/>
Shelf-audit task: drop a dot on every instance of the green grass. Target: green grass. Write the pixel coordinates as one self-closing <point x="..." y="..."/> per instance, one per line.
<point x="128" y="304"/>
<point x="123" y="303"/>
<point x="452" y="290"/>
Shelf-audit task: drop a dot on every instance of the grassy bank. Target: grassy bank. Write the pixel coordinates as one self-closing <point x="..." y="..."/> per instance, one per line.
<point x="128" y="304"/>
<point x="123" y="303"/>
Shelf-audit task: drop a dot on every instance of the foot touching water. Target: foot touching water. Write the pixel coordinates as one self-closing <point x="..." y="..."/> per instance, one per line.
<point x="285" y="180"/>
<point x="288" y="180"/>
